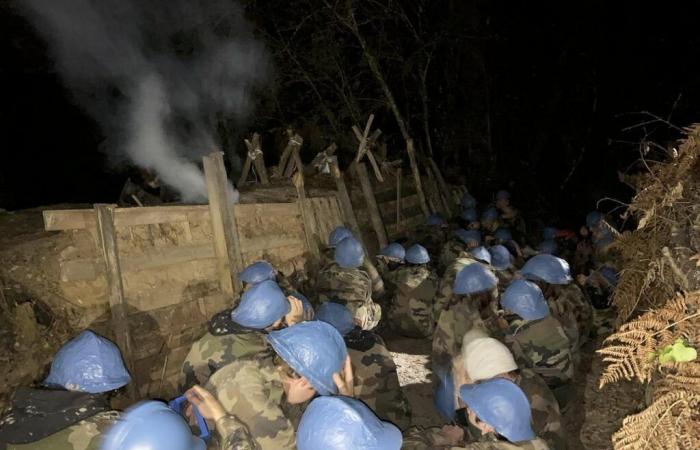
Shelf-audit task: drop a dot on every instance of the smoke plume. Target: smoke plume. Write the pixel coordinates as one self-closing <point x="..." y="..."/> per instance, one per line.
<point x="158" y="76"/>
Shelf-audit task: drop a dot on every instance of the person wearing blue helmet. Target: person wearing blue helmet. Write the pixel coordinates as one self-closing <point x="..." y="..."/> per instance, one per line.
<point x="461" y="241"/>
<point x="240" y="332"/>
<point x="345" y="281"/>
<point x="376" y="380"/>
<point x="502" y="235"/>
<point x="389" y="259"/>
<point x="468" y="201"/>
<point x="471" y="305"/>
<point x="334" y="237"/>
<point x="84" y="374"/>
<point x="306" y="359"/>
<point x="432" y="234"/>
<point x="510" y="217"/>
<point x="258" y="272"/>
<point x="489" y="220"/>
<point x="599" y="286"/>
<point x="411" y="312"/>
<point x="444" y="293"/>
<point x="502" y="263"/>
<point x="565" y="299"/>
<point x="154" y="425"/>
<point x="481" y="254"/>
<point x="342" y="423"/>
<point x="536" y="338"/>
<point x="500" y="410"/>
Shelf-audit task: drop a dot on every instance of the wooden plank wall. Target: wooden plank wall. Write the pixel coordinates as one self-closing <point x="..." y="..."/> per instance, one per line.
<point x="169" y="272"/>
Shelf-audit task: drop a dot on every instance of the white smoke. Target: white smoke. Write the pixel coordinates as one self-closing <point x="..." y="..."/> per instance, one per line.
<point x="157" y="76"/>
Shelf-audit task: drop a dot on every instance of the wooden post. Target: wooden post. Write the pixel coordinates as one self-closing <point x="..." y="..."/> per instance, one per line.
<point x="344" y="200"/>
<point x="107" y="236"/>
<point x="399" y="172"/>
<point x="306" y="215"/>
<point x="255" y="156"/>
<point x="371" y="202"/>
<point x="444" y="190"/>
<point x="223" y="223"/>
<point x="295" y="143"/>
<point x="440" y="202"/>
<point x="416" y="177"/>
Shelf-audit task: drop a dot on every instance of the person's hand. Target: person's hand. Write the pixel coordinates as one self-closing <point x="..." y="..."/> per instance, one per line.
<point x="453" y="434"/>
<point x="345" y="381"/>
<point x="296" y="311"/>
<point x="207" y="405"/>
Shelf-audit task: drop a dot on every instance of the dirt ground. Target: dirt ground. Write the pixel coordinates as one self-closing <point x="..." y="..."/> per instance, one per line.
<point x="590" y="422"/>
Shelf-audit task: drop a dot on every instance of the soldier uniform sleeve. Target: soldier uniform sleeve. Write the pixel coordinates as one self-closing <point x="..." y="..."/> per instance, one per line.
<point x="249" y="394"/>
<point x="232" y="435"/>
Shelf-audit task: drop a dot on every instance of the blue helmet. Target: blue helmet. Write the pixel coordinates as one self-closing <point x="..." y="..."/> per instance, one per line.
<point x="604" y="240"/>
<point x="610" y="275"/>
<point x="502" y="195"/>
<point x="547" y="268"/>
<point x="337" y="315"/>
<point x="337" y="235"/>
<point x="394" y="251"/>
<point x="342" y="423"/>
<point x="306" y="304"/>
<point x="349" y="253"/>
<point x="469" y="236"/>
<point x="501" y="404"/>
<point x="468" y="201"/>
<point x="315" y="350"/>
<point x="474" y="278"/>
<point x="593" y="219"/>
<point x="525" y="299"/>
<point x="548" y="247"/>
<point x="88" y="363"/>
<point x="444" y="393"/>
<point x="434" y="220"/>
<point x="490" y="215"/>
<point x="417" y="254"/>
<point x="481" y="254"/>
<point x="151" y="425"/>
<point x="501" y="259"/>
<point x="549" y="233"/>
<point x="261" y="306"/>
<point x="469" y="215"/>
<point x="258" y="272"/>
<point x="503" y="235"/>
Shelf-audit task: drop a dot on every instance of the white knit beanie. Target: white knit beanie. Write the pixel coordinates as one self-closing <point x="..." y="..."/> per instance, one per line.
<point x="485" y="358"/>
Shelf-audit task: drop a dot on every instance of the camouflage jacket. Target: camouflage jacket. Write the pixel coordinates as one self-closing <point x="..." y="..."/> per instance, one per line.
<point x="432" y="439"/>
<point x="411" y="311"/>
<point x="210" y="353"/>
<point x="452" y="250"/>
<point x="546" y="417"/>
<point x="542" y="345"/>
<point x="574" y="311"/>
<point x="352" y="288"/>
<point x="251" y="390"/>
<point x="376" y="379"/>
<point x="84" y="435"/>
<point x="232" y="434"/>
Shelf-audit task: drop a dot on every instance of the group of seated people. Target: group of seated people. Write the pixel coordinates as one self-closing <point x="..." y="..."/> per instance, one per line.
<point x="279" y="370"/>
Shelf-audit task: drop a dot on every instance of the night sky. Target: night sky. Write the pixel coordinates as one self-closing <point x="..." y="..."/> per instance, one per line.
<point x="565" y="82"/>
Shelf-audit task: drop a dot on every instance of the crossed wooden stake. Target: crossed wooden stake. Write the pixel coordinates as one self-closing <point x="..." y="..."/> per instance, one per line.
<point x="366" y="143"/>
<point x="254" y="158"/>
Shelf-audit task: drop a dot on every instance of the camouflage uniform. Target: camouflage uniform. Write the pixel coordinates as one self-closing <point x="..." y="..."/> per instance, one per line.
<point x="432" y="439"/>
<point x="546" y="417"/>
<point x="84" y="435"/>
<point x="376" y="379"/>
<point x="212" y="352"/>
<point x="352" y="288"/>
<point x="542" y="345"/>
<point x="411" y="312"/>
<point x="452" y="250"/>
<point x="572" y="309"/>
<point x="444" y="293"/>
<point x="251" y="390"/>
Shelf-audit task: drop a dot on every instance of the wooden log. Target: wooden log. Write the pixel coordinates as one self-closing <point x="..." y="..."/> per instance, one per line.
<point x="80" y="219"/>
<point x="245" y="171"/>
<point x="444" y="189"/>
<point x="416" y="176"/>
<point x="257" y="156"/>
<point x="306" y="214"/>
<point x="294" y="159"/>
<point x="370" y="201"/>
<point x="344" y="200"/>
<point x="223" y="223"/>
<point x="107" y="237"/>
<point x="286" y="153"/>
<point x="398" y="195"/>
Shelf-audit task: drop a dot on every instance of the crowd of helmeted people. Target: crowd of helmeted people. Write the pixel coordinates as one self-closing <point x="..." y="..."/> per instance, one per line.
<point x="507" y="308"/>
